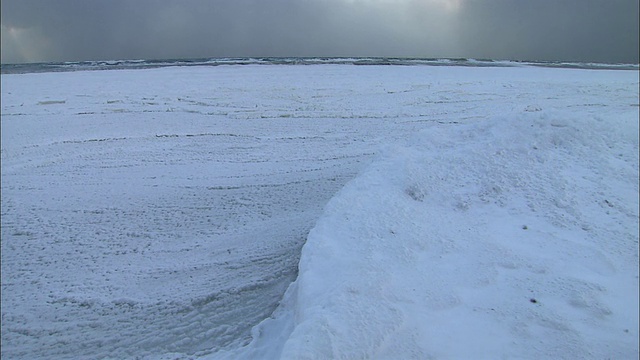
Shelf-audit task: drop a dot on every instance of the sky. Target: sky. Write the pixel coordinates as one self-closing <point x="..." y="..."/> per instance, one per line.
<point x="562" y="30"/>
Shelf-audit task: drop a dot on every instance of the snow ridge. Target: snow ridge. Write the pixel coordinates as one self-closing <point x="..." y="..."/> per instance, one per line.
<point x="510" y="237"/>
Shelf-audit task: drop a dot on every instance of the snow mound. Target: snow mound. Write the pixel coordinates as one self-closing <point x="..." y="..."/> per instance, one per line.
<point x="510" y="237"/>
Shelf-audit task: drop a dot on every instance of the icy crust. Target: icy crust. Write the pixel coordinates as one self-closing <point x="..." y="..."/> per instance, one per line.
<point x="159" y="213"/>
<point x="512" y="237"/>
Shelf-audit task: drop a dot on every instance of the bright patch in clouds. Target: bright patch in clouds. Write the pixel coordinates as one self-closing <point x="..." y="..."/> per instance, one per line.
<point x="451" y="5"/>
<point x="25" y="45"/>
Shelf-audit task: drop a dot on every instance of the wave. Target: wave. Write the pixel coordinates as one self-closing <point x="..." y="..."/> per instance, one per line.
<point x="379" y="61"/>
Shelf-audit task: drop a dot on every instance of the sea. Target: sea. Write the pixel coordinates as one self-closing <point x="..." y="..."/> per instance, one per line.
<point x="149" y="64"/>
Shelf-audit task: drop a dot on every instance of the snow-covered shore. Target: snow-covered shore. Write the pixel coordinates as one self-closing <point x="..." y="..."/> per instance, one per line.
<point x="160" y="213"/>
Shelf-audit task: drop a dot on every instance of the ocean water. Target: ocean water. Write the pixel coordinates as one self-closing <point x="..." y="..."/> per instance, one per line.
<point x="147" y="64"/>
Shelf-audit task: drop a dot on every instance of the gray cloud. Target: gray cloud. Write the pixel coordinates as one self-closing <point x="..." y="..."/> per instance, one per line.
<point x="68" y="30"/>
<point x="580" y="30"/>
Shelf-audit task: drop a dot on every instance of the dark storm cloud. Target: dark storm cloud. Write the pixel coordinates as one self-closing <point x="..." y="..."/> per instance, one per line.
<point x="64" y="30"/>
<point x="116" y="29"/>
<point x="579" y="30"/>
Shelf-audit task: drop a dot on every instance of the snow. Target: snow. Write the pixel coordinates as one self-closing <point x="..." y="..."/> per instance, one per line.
<point x="445" y="212"/>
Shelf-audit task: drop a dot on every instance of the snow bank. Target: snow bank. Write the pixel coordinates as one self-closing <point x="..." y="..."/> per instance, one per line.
<point x="511" y="237"/>
<point x="159" y="214"/>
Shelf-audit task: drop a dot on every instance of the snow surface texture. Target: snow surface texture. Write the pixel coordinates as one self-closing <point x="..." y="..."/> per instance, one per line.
<point x="511" y="235"/>
<point x="160" y="213"/>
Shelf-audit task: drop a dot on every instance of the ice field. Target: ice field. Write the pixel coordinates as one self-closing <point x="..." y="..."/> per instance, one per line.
<point x="420" y="211"/>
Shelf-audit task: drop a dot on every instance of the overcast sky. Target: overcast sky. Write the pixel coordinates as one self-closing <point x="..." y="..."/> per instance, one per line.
<point x="73" y="30"/>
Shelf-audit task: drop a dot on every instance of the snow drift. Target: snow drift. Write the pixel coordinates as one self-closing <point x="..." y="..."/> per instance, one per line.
<point x="159" y="213"/>
<point x="511" y="237"/>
